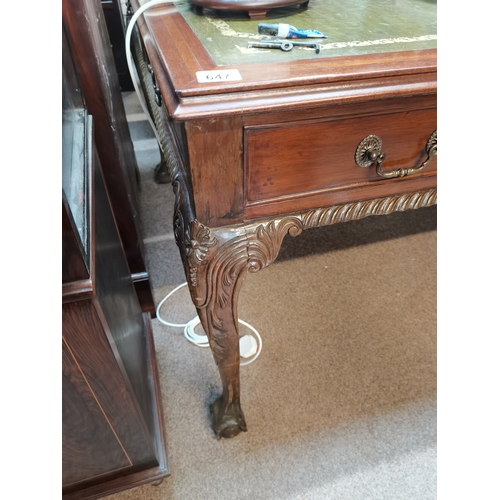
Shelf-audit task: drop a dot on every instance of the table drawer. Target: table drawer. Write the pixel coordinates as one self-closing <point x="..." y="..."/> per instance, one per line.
<point x="301" y="159"/>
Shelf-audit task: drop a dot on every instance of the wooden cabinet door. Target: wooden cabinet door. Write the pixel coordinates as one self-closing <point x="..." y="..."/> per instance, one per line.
<point x="91" y="447"/>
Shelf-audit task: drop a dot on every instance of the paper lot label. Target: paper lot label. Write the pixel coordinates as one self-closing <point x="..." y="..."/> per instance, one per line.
<point x="217" y="76"/>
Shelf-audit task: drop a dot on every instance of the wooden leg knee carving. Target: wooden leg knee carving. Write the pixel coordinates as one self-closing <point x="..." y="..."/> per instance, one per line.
<point x="216" y="262"/>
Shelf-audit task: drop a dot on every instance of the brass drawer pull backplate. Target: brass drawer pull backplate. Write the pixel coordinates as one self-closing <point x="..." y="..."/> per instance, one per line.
<point x="369" y="151"/>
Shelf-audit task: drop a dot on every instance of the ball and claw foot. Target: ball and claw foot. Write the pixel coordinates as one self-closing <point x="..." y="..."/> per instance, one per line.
<point x="229" y="421"/>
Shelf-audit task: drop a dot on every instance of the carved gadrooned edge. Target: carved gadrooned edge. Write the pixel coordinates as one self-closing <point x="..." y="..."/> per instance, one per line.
<point x="260" y="243"/>
<point x="361" y="209"/>
<point x="168" y="147"/>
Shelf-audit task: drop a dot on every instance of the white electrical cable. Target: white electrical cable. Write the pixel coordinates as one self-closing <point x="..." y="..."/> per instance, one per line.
<point x="202" y="340"/>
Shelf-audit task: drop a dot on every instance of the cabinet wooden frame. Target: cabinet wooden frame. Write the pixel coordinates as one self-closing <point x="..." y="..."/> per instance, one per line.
<point x="112" y="422"/>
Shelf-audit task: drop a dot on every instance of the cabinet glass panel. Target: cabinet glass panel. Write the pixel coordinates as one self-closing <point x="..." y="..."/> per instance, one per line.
<point x="74" y="150"/>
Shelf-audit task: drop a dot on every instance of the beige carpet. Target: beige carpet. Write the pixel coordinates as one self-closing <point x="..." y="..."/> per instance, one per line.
<point x="341" y="403"/>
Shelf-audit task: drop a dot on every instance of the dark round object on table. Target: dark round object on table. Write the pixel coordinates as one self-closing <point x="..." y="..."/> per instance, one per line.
<point x="254" y="8"/>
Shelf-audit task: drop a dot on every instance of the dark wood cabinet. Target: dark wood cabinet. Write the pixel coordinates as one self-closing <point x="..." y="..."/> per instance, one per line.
<point x="112" y="426"/>
<point x="89" y="43"/>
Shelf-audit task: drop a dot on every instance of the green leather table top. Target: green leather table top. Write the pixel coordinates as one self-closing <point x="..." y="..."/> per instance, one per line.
<point x="354" y="27"/>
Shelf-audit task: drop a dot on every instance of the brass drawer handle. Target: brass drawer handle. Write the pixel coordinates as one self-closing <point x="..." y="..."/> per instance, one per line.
<point x="369" y="151"/>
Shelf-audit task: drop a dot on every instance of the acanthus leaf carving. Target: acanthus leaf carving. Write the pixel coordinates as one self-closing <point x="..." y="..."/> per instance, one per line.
<point x="198" y="240"/>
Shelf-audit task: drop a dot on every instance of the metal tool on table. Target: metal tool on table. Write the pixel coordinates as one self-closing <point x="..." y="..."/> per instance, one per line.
<point x="286" y="46"/>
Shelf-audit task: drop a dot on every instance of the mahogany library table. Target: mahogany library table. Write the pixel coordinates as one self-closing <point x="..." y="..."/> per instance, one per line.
<point x="264" y="142"/>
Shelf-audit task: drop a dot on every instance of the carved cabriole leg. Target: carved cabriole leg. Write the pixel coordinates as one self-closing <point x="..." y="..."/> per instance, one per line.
<point x="216" y="263"/>
<point x="195" y="244"/>
<point x="216" y="267"/>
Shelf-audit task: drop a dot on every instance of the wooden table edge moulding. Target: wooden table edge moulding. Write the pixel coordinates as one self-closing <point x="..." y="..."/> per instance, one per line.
<point x="227" y="222"/>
